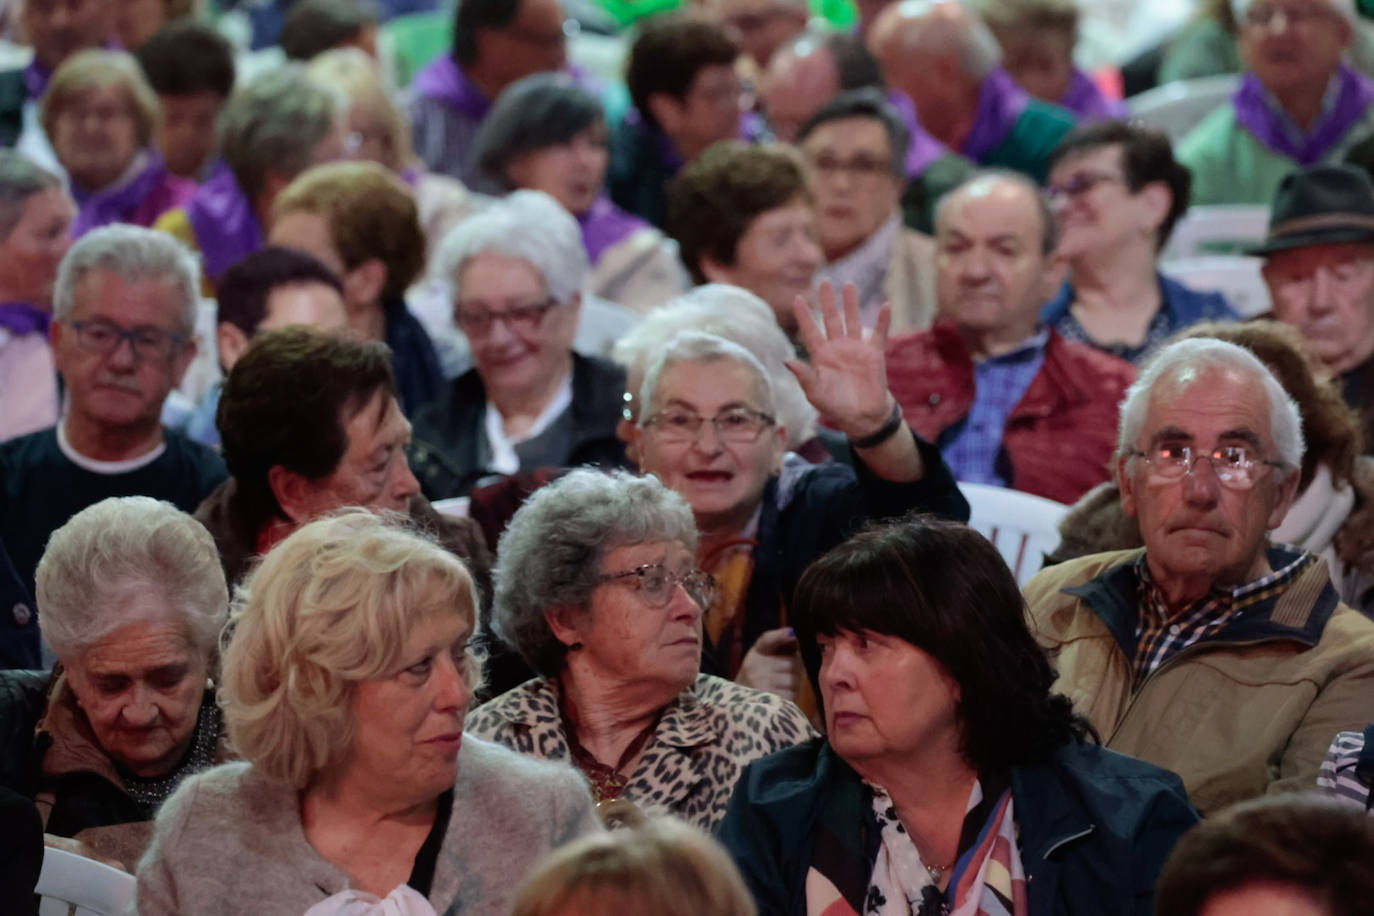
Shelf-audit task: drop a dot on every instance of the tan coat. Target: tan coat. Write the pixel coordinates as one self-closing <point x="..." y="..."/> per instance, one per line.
<point x="1244" y="713"/>
<point x="910" y="284"/>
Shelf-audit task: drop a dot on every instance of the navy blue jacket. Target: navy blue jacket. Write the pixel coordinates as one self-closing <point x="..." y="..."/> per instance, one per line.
<point x="1095" y="829"/>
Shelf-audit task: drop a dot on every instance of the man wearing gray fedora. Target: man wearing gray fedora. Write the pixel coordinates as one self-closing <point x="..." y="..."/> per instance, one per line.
<point x="1319" y="266"/>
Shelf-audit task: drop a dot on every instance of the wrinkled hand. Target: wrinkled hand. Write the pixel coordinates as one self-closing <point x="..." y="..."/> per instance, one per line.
<point x="773" y="664"/>
<point x="1355" y="541"/>
<point x="845" y="377"/>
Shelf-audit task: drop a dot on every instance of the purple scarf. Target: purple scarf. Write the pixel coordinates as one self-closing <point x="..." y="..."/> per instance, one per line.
<point x="1000" y="104"/>
<point x="1256" y="112"/>
<point x="922" y="149"/>
<point x="223" y="220"/>
<point x="21" y="318"/>
<point x="140" y="200"/>
<point x="36" y="78"/>
<point x="1084" y="99"/>
<point x="604" y="225"/>
<point x="444" y="81"/>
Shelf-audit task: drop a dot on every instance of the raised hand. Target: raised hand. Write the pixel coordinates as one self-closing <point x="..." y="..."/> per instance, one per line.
<point x="845" y="376"/>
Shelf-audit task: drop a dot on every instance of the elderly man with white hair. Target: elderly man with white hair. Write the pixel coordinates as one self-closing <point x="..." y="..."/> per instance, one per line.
<point x="123" y="335"/>
<point x="516" y="272"/>
<point x="1299" y="103"/>
<point x="133" y="602"/>
<point x="946" y="60"/>
<point x="1209" y="652"/>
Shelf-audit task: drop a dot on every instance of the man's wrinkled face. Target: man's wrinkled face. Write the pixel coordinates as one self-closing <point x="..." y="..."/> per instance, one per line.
<point x="1293" y="44"/>
<point x="1327" y="293"/>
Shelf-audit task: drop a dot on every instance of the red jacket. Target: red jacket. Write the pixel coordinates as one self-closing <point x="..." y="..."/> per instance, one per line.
<point x="1058" y="440"/>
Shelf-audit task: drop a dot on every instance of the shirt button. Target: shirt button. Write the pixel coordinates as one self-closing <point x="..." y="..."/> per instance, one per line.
<point x="1173" y="628"/>
<point x="934" y="399"/>
<point x="22" y="614"/>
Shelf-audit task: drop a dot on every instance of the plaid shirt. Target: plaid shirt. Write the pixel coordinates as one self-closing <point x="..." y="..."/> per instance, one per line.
<point x="999" y="384"/>
<point x="1160" y="635"/>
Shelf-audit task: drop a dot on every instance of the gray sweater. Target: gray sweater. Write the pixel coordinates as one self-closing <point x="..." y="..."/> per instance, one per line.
<point x="229" y="841"/>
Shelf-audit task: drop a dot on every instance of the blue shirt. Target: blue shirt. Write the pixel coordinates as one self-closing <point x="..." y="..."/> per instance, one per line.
<point x="971" y="448"/>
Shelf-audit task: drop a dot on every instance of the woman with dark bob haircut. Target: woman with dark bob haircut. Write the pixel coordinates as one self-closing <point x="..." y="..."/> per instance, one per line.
<point x="547" y="134"/>
<point x="951" y="780"/>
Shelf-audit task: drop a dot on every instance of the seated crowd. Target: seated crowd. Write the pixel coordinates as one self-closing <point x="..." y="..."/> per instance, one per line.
<point x="765" y="457"/>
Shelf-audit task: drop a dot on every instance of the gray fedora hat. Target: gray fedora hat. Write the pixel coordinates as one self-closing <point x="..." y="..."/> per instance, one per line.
<point x="1320" y="205"/>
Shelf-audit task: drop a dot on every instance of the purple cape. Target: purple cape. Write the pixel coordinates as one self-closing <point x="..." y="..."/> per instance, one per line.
<point x="1257" y="114"/>
<point x="923" y="149"/>
<point x="1084" y="99"/>
<point x="139" y="201"/>
<point x="223" y="220"/>
<point x="21" y="318"/>
<point x="1000" y="104"/>
<point x="604" y="225"/>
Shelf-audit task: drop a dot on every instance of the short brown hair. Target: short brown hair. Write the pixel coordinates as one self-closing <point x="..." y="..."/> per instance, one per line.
<point x="714" y="200"/>
<point x="663" y="866"/>
<point x="286" y="401"/>
<point x="1320" y="847"/>
<point x="92" y="69"/>
<point x="371" y="214"/>
<point x="1330" y="428"/>
<point x="669" y="53"/>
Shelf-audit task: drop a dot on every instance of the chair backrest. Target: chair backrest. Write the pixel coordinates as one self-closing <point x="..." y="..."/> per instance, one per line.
<point x="1177" y="107"/>
<point x="1023" y="527"/>
<point x="93" y="888"/>
<point x="1222" y="229"/>
<point x="1235" y="277"/>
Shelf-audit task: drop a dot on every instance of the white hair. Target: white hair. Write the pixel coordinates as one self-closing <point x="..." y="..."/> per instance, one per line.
<point x="1184" y="362"/>
<point x="1345" y="8"/>
<point x="529" y="225"/>
<point x="100" y="567"/>
<point x="736" y="315"/>
<point x="135" y="255"/>
<point x="693" y="346"/>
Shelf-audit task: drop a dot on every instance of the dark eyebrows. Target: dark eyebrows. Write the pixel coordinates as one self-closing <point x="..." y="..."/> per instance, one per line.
<point x="1171" y="434"/>
<point x="1248" y="436"/>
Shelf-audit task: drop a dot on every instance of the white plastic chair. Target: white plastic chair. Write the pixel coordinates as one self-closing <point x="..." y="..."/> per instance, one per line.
<point x="1235" y="277"/>
<point x="93" y="888"/>
<point x="1223" y="229"/>
<point x="1023" y="527"/>
<point x="1177" y="107"/>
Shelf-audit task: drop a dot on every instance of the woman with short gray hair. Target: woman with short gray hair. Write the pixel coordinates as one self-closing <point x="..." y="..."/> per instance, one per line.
<point x="516" y="271"/>
<point x="101" y="116"/>
<point x="133" y="599"/>
<point x="273" y="128"/>
<point x="596" y="586"/>
<point x="546" y="133"/>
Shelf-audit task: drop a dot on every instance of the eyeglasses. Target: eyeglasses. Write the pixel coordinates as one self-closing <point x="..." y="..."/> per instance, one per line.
<point x="1262" y="14"/>
<point x="476" y="320"/>
<point x="1079" y="185"/>
<point x="657" y="584"/>
<point x="738" y="425"/>
<point x="1236" y="468"/>
<point x="104" y="337"/>
<point x="548" y="40"/>
<point x="861" y="168"/>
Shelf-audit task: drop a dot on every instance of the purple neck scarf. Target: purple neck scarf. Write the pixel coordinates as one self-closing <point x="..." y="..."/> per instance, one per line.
<point x="36" y="78"/>
<point x="923" y="149"/>
<point x="121" y="201"/>
<point x="1084" y="99"/>
<point x="21" y="318"/>
<point x="444" y="81"/>
<point x="223" y="220"/>
<point x="1257" y="112"/>
<point x="1000" y="104"/>
<point x="604" y="225"/>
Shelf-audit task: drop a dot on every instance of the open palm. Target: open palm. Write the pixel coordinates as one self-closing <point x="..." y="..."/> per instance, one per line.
<point x="845" y="375"/>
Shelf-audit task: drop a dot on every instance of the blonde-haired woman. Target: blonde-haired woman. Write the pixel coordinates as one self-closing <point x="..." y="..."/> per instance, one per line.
<point x="346" y="682"/>
<point x="379" y="131"/>
<point x="101" y="116"/>
<point x="660" y="868"/>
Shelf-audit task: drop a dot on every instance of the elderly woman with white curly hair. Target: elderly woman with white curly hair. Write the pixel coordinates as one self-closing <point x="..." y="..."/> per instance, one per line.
<point x="133" y="601"/>
<point x="598" y="589"/>
<point x="517" y="271"/>
<point x="346" y="683"/>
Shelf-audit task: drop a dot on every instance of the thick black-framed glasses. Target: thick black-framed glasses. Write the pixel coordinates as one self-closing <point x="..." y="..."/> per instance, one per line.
<point x="147" y="343"/>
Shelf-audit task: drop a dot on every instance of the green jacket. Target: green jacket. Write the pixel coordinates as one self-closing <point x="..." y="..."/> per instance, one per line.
<point x="1248" y="711"/>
